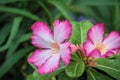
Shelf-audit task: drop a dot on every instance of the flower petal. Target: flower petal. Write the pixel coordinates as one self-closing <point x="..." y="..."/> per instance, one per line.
<point x="88" y="46"/>
<point x="39" y="57"/>
<point x="96" y="33"/>
<point x="109" y="53"/>
<point x="42" y="35"/>
<point x="50" y="65"/>
<point x="62" y="30"/>
<point x="73" y="48"/>
<point x="65" y="52"/>
<point x="95" y="53"/>
<point x="112" y="41"/>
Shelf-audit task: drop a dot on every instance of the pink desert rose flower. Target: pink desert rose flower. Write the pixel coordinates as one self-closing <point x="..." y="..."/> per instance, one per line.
<point x="99" y="47"/>
<point x="51" y="46"/>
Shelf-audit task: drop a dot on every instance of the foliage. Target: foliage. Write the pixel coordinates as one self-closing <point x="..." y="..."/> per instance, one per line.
<point x="16" y="18"/>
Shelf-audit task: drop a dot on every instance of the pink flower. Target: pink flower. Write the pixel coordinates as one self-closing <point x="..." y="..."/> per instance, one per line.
<point x="73" y="48"/>
<point x="52" y="46"/>
<point x="99" y="47"/>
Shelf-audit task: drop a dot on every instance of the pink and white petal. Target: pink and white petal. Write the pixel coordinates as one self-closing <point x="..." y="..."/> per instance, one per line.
<point x="65" y="52"/>
<point x="50" y="65"/>
<point x="73" y="48"/>
<point x="109" y="53"/>
<point x="95" y="53"/>
<point x="115" y="51"/>
<point x="112" y="41"/>
<point x="42" y="35"/>
<point x="39" y="57"/>
<point x="62" y="30"/>
<point x="88" y="47"/>
<point x="96" y="33"/>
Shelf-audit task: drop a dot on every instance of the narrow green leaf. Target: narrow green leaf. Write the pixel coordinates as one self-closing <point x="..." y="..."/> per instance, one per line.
<point x="14" y="29"/>
<point x="3" y="17"/>
<point x="106" y="14"/>
<point x="25" y="37"/>
<point x="7" y="65"/>
<point x="87" y="10"/>
<point x="4" y="32"/>
<point x="62" y="8"/>
<point x="16" y="42"/>
<point x="46" y="10"/>
<point x="9" y="1"/>
<point x="110" y="66"/>
<point x="12" y="48"/>
<point x="96" y="2"/>
<point x="75" y="69"/>
<point x="19" y="12"/>
<point x="94" y="75"/>
<point x="117" y="15"/>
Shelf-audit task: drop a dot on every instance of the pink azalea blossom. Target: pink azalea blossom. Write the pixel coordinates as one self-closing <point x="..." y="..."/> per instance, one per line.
<point x="51" y="46"/>
<point x="99" y="47"/>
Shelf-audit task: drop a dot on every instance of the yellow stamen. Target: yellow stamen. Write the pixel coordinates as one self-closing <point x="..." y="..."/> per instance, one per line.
<point x="55" y="47"/>
<point x="100" y="47"/>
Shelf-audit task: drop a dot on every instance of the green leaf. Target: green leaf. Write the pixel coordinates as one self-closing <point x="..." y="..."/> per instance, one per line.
<point x="84" y="26"/>
<point x="30" y="77"/>
<point x="9" y="1"/>
<point x="12" y="48"/>
<point x="5" y="30"/>
<point x="46" y="10"/>
<point x="14" y="29"/>
<point x="94" y="75"/>
<point x="75" y="57"/>
<point x="106" y="13"/>
<point x="37" y="76"/>
<point x="75" y="69"/>
<point x="63" y="76"/>
<point x="117" y="15"/>
<point x="25" y="37"/>
<point x="19" y="12"/>
<point x="79" y="31"/>
<point x="76" y="33"/>
<point x="116" y="56"/>
<point x="62" y="8"/>
<point x="60" y="69"/>
<point x="96" y="2"/>
<point x="110" y="66"/>
<point x="7" y="65"/>
<point x="87" y="10"/>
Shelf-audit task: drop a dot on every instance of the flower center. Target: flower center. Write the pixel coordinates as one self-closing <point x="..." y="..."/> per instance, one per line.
<point x="101" y="48"/>
<point x="55" y="47"/>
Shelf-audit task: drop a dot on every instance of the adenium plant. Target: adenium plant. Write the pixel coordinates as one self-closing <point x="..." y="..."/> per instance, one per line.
<point x="81" y="46"/>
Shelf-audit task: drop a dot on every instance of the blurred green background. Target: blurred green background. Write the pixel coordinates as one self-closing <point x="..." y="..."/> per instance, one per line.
<point x="17" y="16"/>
